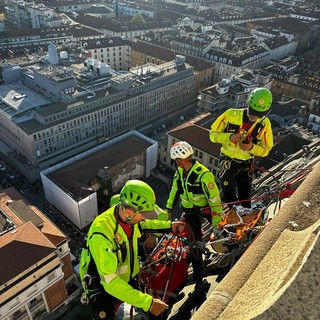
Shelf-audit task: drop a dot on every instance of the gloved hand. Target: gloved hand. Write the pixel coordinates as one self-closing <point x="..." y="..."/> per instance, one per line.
<point x="246" y="146"/>
<point x="216" y="232"/>
<point x="236" y="137"/>
<point x="178" y="227"/>
<point x="150" y="242"/>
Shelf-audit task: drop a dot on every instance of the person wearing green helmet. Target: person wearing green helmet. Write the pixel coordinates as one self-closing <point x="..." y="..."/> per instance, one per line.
<point x="243" y="134"/>
<point x="109" y="260"/>
<point x="149" y="239"/>
<point x="156" y="213"/>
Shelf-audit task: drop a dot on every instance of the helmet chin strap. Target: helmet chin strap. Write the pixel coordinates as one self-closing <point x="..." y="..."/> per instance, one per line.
<point x="129" y="218"/>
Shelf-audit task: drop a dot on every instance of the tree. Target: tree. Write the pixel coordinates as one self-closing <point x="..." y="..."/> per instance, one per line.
<point x="138" y="18"/>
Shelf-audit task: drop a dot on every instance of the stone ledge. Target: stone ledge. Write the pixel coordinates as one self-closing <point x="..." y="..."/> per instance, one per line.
<point x="300" y="213"/>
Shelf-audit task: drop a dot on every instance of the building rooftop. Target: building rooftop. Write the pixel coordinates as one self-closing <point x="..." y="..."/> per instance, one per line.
<point x="21" y="249"/>
<point x="196" y="132"/>
<point x="11" y="199"/>
<point x="76" y="176"/>
<point x="29" y="99"/>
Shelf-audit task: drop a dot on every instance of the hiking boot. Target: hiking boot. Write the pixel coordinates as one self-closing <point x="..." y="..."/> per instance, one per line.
<point x="179" y="297"/>
<point x="200" y="290"/>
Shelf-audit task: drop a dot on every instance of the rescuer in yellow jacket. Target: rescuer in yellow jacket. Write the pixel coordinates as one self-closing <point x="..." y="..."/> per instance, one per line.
<point x="194" y="187"/>
<point x="112" y="244"/>
<point x="243" y="134"/>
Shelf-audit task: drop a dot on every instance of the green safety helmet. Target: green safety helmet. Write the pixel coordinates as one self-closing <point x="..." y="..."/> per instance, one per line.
<point x="259" y="102"/>
<point x="115" y="199"/>
<point x="138" y="195"/>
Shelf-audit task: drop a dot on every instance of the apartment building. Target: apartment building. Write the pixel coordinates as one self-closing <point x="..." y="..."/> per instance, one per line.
<point x="301" y="87"/>
<point x="26" y="38"/>
<point x="143" y="52"/>
<point x="130" y="8"/>
<point x="46" y="131"/>
<point x="280" y="47"/>
<point x="35" y="260"/>
<point x="117" y="28"/>
<point x="313" y="122"/>
<point x="69" y="6"/>
<point x="115" y="52"/>
<point x="29" y="15"/>
<point x="227" y="93"/>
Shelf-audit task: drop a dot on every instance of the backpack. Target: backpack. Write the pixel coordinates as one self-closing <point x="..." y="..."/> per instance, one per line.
<point x="89" y="277"/>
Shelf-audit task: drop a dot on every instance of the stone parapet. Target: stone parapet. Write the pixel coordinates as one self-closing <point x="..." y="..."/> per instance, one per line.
<point x="278" y="276"/>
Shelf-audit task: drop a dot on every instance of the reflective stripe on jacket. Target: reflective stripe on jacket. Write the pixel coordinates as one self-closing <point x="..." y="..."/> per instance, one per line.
<point x="115" y="268"/>
<point x="198" y="189"/>
<point x="221" y="130"/>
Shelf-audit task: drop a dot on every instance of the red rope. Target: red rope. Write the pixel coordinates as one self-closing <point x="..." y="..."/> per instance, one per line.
<point x="283" y="194"/>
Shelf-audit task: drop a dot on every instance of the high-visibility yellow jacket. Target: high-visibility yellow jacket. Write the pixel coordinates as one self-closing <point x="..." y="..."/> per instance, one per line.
<point x="198" y="189"/>
<point x="162" y="214"/>
<point x="231" y="122"/>
<point x="114" y="267"/>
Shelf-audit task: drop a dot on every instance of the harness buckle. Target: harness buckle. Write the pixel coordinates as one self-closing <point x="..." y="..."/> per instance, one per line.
<point x="84" y="299"/>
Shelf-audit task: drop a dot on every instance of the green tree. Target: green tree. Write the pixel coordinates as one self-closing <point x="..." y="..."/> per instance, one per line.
<point x="138" y="18"/>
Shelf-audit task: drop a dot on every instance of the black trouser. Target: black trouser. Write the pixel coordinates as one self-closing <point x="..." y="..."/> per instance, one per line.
<point x="193" y="219"/>
<point x="236" y="183"/>
<point x="104" y="305"/>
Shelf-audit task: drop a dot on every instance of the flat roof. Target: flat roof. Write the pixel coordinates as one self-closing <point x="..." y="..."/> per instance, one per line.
<point x="76" y="176"/>
<point x="19" y="98"/>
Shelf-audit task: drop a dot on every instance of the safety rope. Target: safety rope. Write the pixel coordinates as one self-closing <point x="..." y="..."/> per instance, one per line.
<point x="167" y="248"/>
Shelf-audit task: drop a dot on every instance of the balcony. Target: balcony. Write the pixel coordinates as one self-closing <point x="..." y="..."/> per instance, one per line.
<point x="21" y="316"/>
<point x="36" y="306"/>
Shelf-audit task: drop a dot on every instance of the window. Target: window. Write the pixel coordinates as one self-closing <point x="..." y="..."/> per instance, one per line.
<point x="32" y="290"/>
<point x="51" y="276"/>
<point x="14" y="302"/>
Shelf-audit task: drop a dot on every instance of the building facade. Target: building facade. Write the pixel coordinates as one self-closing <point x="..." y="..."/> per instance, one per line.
<point x="91" y="114"/>
<point x="27" y="15"/>
<point x="113" y="51"/>
<point x="227" y="93"/>
<point x="35" y="260"/>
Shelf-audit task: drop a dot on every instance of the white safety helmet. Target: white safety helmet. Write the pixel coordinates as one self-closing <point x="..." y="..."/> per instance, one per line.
<point x="181" y="150"/>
